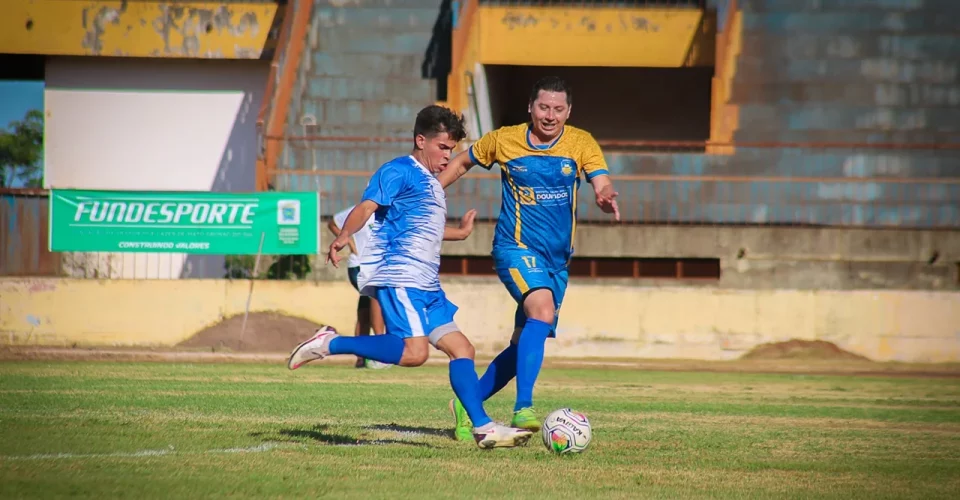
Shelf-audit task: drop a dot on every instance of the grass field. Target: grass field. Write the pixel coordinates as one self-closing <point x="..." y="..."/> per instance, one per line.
<point x="107" y="430"/>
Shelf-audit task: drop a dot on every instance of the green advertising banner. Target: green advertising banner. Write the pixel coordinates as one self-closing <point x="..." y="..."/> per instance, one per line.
<point x="184" y="222"/>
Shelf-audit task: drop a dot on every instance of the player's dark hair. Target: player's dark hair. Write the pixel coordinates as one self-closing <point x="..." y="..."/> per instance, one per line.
<point x="551" y="84"/>
<point x="433" y="120"/>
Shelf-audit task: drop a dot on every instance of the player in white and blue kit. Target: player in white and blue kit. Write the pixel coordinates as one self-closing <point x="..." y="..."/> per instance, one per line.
<point x="400" y="268"/>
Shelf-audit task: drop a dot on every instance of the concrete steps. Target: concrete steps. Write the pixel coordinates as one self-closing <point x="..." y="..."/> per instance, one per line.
<point x="360" y="78"/>
<point x="801" y="46"/>
<point x="848" y="71"/>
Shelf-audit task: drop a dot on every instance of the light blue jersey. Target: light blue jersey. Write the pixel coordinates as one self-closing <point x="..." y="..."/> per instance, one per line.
<point x="406" y="235"/>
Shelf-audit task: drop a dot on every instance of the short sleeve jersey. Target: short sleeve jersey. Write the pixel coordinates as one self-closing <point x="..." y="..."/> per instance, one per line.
<point x="407" y="231"/>
<point x="539" y="185"/>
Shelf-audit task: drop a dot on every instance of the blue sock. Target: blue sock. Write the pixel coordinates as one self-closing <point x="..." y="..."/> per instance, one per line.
<point x="500" y="372"/>
<point x="529" y="359"/>
<point x="383" y="348"/>
<point x="463" y="379"/>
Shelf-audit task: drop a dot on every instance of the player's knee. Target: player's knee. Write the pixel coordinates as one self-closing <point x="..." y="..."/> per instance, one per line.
<point x="456" y="346"/>
<point x="542" y="310"/>
<point x="466" y="351"/>
<point x="539" y="305"/>
<point x="415" y="354"/>
<point x="417" y="359"/>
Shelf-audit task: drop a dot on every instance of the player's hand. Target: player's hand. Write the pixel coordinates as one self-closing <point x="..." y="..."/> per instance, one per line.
<point x="606" y="200"/>
<point x="333" y="254"/>
<point x="466" y="223"/>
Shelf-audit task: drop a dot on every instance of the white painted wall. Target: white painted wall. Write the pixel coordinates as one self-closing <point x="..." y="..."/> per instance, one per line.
<point x="153" y="124"/>
<point x="120" y="123"/>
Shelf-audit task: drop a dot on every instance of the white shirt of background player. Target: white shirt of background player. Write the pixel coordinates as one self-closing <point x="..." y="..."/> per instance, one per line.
<point x="360" y="239"/>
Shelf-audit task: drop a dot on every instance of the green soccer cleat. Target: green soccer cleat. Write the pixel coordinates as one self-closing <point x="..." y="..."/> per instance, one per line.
<point x="525" y="419"/>
<point x="463" y="429"/>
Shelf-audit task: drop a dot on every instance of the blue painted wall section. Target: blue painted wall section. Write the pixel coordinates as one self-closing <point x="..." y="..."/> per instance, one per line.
<point x="882" y="72"/>
<point x="874" y="72"/>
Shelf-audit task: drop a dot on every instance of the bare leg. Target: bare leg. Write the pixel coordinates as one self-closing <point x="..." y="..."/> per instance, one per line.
<point x="363" y="324"/>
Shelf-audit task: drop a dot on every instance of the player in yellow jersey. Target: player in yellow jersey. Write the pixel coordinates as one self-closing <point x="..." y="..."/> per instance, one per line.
<point x="541" y="164"/>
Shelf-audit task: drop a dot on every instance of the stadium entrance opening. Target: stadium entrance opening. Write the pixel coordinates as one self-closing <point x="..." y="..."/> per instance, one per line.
<point x="616" y="105"/>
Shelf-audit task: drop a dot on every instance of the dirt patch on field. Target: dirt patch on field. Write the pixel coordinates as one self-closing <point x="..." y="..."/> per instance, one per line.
<point x="802" y="349"/>
<point x="266" y="332"/>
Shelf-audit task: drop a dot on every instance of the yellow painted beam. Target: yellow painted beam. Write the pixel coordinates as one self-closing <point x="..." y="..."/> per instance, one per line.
<point x="465" y="55"/>
<point x="197" y="30"/>
<point x="725" y="117"/>
<point x="644" y="37"/>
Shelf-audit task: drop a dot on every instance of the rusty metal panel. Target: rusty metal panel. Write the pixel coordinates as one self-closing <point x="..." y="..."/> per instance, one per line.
<point x="24" y="236"/>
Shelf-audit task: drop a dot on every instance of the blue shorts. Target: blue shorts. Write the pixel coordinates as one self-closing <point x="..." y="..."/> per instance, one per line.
<point x="522" y="272"/>
<point x="410" y="312"/>
<point x="352" y="273"/>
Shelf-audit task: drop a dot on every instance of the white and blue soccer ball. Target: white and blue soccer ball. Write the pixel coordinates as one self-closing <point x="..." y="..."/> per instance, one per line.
<point x="566" y="431"/>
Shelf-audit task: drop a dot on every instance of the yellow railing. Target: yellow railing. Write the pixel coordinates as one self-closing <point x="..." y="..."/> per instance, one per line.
<point x="724" y="117"/>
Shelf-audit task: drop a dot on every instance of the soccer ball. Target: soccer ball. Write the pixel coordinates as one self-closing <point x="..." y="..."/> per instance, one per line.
<point x="566" y="431"/>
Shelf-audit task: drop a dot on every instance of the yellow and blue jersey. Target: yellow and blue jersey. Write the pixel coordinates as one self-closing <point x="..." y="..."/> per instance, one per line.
<point x="538" y="211"/>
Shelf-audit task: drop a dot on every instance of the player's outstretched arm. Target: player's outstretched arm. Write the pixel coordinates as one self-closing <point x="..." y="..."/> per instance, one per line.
<point x="606" y="195"/>
<point x="332" y="226"/>
<point x="456" y="169"/>
<point x="483" y="153"/>
<point x="355" y="221"/>
<point x="462" y="232"/>
<point x="595" y="166"/>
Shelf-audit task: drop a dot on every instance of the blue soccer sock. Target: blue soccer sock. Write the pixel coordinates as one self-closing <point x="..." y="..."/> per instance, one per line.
<point x="499" y="373"/>
<point x="383" y="348"/>
<point x="529" y="359"/>
<point x="463" y="379"/>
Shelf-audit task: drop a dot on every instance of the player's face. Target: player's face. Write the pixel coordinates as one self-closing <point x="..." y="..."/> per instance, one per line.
<point x="549" y="112"/>
<point x="436" y="151"/>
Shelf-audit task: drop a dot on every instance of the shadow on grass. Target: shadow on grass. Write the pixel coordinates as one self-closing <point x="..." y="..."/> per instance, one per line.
<point x="412" y="431"/>
<point x="320" y="435"/>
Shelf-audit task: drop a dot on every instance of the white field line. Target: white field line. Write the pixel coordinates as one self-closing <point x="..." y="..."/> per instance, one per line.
<point x="149" y="453"/>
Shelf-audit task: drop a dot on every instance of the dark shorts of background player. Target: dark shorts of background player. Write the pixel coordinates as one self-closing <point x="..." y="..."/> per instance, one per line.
<point x="353" y="273"/>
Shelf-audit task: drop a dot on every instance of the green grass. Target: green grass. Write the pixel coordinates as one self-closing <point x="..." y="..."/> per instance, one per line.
<point x="106" y="430"/>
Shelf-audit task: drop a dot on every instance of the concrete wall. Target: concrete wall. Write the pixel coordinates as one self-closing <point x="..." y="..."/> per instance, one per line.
<point x="144" y="124"/>
<point x="596" y="320"/>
